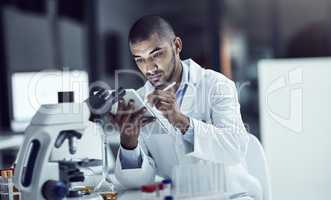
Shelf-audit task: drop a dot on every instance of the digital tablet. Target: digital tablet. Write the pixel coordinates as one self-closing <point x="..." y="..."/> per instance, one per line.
<point x="139" y="103"/>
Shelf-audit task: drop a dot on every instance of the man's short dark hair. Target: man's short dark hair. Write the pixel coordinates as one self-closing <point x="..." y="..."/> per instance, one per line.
<point x="147" y="25"/>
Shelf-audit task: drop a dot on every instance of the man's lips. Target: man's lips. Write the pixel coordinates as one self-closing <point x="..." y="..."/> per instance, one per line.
<point x="154" y="78"/>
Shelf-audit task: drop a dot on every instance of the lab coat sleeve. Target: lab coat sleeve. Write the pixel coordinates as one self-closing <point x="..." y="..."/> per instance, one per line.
<point x="135" y="177"/>
<point x="225" y="139"/>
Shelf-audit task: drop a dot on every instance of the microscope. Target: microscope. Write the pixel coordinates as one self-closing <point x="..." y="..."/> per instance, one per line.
<point x="52" y="153"/>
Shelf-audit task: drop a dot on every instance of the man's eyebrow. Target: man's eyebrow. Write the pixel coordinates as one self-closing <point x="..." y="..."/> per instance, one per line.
<point x="154" y="50"/>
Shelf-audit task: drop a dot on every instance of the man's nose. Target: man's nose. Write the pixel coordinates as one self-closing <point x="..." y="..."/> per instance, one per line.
<point x="151" y="68"/>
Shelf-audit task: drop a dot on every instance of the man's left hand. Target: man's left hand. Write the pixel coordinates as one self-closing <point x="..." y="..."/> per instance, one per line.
<point x="165" y="101"/>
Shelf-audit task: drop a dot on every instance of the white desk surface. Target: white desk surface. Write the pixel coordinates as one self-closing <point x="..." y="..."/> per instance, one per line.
<point x="135" y="194"/>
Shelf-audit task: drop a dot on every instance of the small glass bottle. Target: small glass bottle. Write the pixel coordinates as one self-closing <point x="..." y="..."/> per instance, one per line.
<point x="2" y="181"/>
<point x="9" y="192"/>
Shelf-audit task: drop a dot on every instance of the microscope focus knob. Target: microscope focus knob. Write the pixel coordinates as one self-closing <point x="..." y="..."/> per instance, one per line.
<point x="54" y="190"/>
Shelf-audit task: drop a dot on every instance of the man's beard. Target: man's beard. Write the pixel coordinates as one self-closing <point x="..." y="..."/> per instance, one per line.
<point x="168" y="79"/>
<point x="172" y="73"/>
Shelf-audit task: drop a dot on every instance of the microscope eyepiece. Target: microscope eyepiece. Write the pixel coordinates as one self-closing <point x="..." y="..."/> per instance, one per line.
<point x="65" y="97"/>
<point x="101" y="100"/>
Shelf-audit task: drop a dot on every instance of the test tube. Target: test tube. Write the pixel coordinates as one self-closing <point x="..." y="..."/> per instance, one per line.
<point x="195" y="180"/>
<point x="202" y="176"/>
<point x="223" y="179"/>
<point x="211" y="178"/>
<point x="218" y="177"/>
<point x="179" y="188"/>
<point x="215" y="177"/>
<point x="189" y="174"/>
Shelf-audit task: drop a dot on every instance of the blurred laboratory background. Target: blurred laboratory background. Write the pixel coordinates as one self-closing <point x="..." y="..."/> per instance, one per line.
<point x="278" y="52"/>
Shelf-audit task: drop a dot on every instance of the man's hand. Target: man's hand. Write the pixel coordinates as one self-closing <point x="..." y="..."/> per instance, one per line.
<point x="165" y="101"/>
<point x="129" y="121"/>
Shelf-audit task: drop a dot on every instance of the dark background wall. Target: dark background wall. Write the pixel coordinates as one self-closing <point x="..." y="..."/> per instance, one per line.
<point x="267" y="26"/>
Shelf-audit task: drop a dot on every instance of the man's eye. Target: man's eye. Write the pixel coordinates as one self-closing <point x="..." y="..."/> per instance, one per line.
<point x="139" y="60"/>
<point x="157" y="54"/>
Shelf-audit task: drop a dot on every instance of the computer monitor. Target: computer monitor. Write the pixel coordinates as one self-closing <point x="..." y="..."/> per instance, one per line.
<point x="32" y="89"/>
<point x="295" y="110"/>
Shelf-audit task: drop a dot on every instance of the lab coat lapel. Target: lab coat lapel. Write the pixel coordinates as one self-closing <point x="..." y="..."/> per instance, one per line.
<point x="191" y="94"/>
<point x="188" y="100"/>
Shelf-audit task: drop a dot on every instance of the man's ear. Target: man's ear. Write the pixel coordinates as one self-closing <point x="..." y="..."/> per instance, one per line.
<point x="178" y="45"/>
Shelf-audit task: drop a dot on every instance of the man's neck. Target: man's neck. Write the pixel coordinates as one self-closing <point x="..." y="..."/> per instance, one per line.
<point x="177" y="75"/>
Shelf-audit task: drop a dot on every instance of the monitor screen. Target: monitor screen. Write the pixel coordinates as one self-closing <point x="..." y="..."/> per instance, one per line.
<point x="32" y="89"/>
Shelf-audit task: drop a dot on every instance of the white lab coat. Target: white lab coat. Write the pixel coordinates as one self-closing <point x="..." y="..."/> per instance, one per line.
<point x="220" y="137"/>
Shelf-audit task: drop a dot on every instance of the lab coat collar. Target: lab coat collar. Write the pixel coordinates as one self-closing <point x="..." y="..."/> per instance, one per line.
<point x="194" y="71"/>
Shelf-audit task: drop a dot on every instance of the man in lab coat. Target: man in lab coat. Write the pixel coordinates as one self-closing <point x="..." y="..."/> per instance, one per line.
<point x="202" y="108"/>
